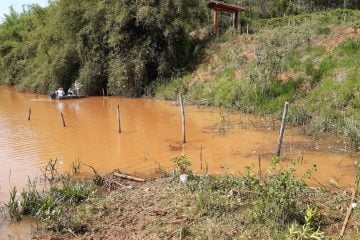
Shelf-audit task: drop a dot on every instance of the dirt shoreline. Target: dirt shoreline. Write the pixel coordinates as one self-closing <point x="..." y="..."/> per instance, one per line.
<point x="163" y="208"/>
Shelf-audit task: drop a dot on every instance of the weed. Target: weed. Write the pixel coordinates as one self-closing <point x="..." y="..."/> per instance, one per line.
<point x="74" y="191"/>
<point x="30" y="199"/>
<point x="212" y="204"/>
<point x="357" y="176"/>
<point x="75" y="167"/>
<point x="276" y="205"/>
<point x="350" y="46"/>
<point x="324" y="30"/>
<point x="181" y="165"/>
<point x="352" y="131"/>
<point x="49" y="206"/>
<point x="50" y="172"/>
<point x="223" y="123"/>
<point x="306" y="231"/>
<point x="98" y="179"/>
<point x="13" y="206"/>
<point x="160" y="171"/>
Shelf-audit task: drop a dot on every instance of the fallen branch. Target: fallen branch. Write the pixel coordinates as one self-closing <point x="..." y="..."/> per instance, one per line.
<point x="121" y="185"/>
<point x="348" y="213"/>
<point x="129" y="177"/>
<point x="72" y="233"/>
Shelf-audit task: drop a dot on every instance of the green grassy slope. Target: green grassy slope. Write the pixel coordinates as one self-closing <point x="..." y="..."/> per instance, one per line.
<point x="311" y="60"/>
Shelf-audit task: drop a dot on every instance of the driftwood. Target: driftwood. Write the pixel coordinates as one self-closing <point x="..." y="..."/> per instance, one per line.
<point x="348" y="213"/>
<point x="136" y="179"/>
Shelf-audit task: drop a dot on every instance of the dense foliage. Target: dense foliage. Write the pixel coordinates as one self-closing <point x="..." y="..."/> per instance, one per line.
<point x="119" y="45"/>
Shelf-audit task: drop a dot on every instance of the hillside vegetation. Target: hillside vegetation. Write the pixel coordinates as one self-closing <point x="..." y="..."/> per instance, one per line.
<point x="311" y="60"/>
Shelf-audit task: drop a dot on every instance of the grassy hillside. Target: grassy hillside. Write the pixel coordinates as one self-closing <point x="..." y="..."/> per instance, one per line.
<point x="311" y="60"/>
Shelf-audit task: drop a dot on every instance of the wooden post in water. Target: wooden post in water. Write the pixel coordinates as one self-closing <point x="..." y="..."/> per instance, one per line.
<point x="29" y="117"/>
<point x="103" y="92"/>
<point x="182" y="118"/>
<point x="62" y="117"/>
<point x="201" y="157"/>
<point x="282" y="129"/>
<point x="260" y="171"/>
<point x="118" y="118"/>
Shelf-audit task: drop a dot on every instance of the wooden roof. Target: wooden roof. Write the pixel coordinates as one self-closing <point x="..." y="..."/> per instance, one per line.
<point x="225" y="7"/>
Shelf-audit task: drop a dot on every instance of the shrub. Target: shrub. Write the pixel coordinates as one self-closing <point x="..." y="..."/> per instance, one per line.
<point x="276" y="204"/>
<point x="181" y="165"/>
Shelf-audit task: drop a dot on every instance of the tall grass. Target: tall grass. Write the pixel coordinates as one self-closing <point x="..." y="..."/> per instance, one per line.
<point x="50" y="206"/>
<point x="279" y="63"/>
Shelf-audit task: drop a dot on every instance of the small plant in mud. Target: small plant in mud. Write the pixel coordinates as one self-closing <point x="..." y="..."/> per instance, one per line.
<point x="160" y="171"/>
<point x="50" y="172"/>
<point x="181" y="165"/>
<point x="75" y="167"/>
<point x="306" y="231"/>
<point x="98" y="179"/>
<point x="30" y="199"/>
<point x="13" y="206"/>
<point x="223" y="124"/>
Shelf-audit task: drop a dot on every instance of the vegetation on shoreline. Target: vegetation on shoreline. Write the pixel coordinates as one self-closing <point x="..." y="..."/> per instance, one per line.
<point x="120" y="46"/>
<point x="150" y="48"/>
<point x="61" y="193"/>
<point x="310" y="60"/>
<point x="271" y="204"/>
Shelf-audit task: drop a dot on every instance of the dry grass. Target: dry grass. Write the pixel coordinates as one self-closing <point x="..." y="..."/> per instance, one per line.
<point x="164" y="209"/>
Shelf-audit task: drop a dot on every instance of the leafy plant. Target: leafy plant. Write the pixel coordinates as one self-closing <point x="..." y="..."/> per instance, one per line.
<point x="181" y="164"/>
<point x="276" y="204"/>
<point x="306" y="231"/>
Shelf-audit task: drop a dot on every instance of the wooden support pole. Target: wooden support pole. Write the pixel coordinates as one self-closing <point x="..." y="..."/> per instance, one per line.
<point x="215" y="23"/>
<point x="236" y="20"/>
<point x="201" y="157"/>
<point x="182" y="118"/>
<point x="118" y="118"/>
<point x="282" y="129"/>
<point x="260" y="171"/>
<point x="29" y="116"/>
<point x="62" y="117"/>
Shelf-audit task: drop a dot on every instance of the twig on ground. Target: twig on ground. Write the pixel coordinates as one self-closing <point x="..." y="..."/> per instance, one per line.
<point x="348" y="213"/>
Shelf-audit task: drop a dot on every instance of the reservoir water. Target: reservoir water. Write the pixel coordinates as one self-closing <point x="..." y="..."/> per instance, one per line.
<point x="151" y="136"/>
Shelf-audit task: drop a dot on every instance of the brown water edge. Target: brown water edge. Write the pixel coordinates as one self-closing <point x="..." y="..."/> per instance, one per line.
<point x="151" y="136"/>
<point x="16" y="230"/>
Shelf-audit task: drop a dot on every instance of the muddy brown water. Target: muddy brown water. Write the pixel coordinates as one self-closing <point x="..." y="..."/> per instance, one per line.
<point x="151" y="137"/>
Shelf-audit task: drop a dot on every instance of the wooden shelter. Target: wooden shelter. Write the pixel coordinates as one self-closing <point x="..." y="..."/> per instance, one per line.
<point x="218" y="7"/>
